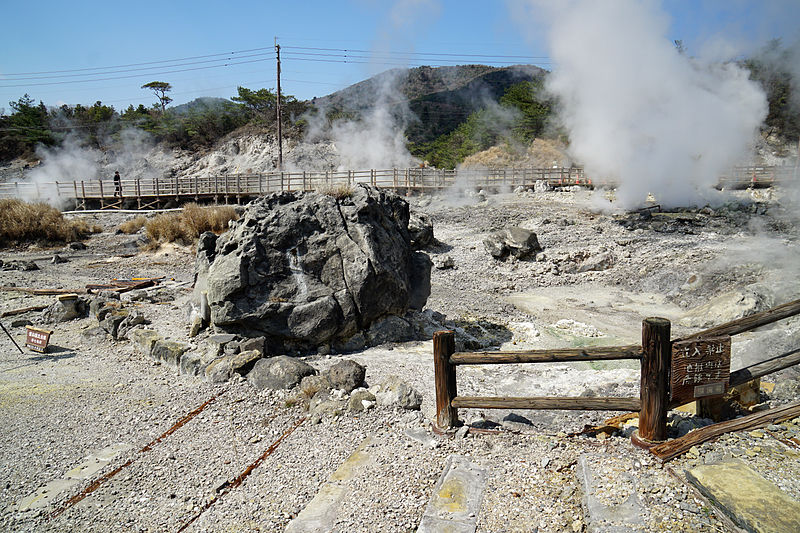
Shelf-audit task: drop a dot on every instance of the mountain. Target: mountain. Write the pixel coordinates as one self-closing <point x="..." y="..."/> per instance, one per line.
<point x="204" y="103"/>
<point x="440" y="98"/>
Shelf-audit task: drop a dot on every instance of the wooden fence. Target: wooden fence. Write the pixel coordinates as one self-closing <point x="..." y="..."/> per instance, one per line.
<point x="149" y="193"/>
<point x="157" y="192"/>
<point x="660" y="378"/>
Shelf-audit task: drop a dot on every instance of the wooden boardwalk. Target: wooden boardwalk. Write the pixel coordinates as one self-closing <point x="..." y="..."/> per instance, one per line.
<point x="158" y="193"/>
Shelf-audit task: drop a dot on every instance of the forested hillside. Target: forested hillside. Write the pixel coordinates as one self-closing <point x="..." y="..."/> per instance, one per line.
<point x="446" y="113"/>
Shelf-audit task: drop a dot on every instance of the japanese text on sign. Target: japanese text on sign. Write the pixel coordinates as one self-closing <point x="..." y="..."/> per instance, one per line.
<point x="37" y="339"/>
<point x="696" y="364"/>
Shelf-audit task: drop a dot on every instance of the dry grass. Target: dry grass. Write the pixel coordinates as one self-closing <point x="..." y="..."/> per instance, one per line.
<point x="130" y="227"/>
<point x="21" y="222"/>
<point x="542" y="153"/>
<point x="186" y="226"/>
<point x="340" y="191"/>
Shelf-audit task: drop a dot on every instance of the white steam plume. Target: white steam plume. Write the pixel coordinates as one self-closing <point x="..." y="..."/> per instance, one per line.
<point x="641" y="113"/>
<point x="132" y="154"/>
<point x="376" y="139"/>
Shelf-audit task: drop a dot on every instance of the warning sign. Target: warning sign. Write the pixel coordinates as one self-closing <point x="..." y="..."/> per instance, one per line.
<point x="700" y="368"/>
<point x="37" y="339"/>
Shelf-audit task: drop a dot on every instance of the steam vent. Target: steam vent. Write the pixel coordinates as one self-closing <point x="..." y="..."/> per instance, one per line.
<point x="306" y="269"/>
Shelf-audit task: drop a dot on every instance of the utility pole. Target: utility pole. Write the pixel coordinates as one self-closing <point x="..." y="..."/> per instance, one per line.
<point x="278" y="107"/>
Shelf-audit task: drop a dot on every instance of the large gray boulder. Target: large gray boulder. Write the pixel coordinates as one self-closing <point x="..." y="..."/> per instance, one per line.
<point x="515" y="241"/>
<point x="307" y="269"/>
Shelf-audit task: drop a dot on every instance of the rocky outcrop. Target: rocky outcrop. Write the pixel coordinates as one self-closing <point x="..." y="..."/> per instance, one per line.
<point x="307" y="269"/>
<point x="66" y="307"/>
<point x="728" y="306"/>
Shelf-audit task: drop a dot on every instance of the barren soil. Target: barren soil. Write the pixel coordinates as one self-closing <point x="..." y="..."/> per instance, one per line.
<point x="90" y="392"/>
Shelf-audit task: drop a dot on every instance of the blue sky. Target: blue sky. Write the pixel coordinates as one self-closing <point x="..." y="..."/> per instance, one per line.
<point x="187" y="43"/>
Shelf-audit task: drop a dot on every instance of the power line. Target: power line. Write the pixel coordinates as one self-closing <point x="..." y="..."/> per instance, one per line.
<point x="413" y="53"/>
<point x="136" y="75"/>
<point x="139" y="64"/>
<point x="135" y="69"/>
<point x="390" y="63"/>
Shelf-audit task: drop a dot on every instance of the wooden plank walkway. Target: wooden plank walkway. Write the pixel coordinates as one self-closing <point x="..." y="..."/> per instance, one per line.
<point x="240" y="188"/>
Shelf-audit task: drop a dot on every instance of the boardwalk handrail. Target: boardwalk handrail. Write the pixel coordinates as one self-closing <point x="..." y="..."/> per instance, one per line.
<point x="654" y="354"/>
<point x="237" y="186"/>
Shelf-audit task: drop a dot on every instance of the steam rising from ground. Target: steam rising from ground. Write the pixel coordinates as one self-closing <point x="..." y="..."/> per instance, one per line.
<point x="376" y="139"/>
<point x="132" y="154"/>
<point x="641" y="113"/>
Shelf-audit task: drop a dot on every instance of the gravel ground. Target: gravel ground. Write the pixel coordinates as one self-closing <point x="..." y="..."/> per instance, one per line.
<point x="90" y="392"/>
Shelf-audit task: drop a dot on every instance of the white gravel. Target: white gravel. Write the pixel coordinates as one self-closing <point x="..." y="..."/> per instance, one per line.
<point x="91" y="392"/>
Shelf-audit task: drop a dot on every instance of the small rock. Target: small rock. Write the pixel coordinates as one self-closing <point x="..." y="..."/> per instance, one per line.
<point x="443" y="262"/>
<point x="395" y="392"/>
<point x="25" y="266"/>
<point x="57" y="259"/>
<point x="244" y="361"/>
<point x="311" y="385"/>
<point x="169" y="352"/>
<point x="515" y="241"/>
<point x="219" y="371"/>
<point x="360" y="400"/>
<point x="346" y="375"/>
<point x="281" y="372"/>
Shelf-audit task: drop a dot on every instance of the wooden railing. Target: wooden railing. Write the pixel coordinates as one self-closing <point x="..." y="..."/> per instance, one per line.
<point x="265" y="183"/>
<point x="655" y="355"/>
<point x="240" y="186"/>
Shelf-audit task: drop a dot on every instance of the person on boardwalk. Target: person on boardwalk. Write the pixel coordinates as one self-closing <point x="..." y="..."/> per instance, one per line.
<point x="117" y="185"/>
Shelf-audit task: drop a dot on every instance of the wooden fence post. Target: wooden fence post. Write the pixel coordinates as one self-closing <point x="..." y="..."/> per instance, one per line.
<point x="445" y="377"/>
<point x="654" y="388"/>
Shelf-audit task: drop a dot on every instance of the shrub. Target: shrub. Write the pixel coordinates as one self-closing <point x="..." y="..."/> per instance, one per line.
<point x="186" y="226"/>
<point x="130" y="227"/>
<point x="340" y="191"/>
<point x="22" y="222"/>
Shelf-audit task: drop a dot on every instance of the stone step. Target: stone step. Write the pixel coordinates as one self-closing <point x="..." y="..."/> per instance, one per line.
<point x="618" y="510"/>
<point x="320" y="514"/>
<point x="90" y="466"/>
<point x="456" y="498"/>
<point x="750" y="500"/>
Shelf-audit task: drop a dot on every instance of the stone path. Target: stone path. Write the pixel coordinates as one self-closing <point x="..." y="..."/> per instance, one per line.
<point x="751" y="501"/>
<point x="87" y="469"/>
<point x="321" y="512"/>
<point x="456" y="499"/>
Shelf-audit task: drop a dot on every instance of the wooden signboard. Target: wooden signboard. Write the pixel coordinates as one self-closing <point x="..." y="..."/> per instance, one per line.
<point x="37" y="339"/>
<point x="700" y="368"/>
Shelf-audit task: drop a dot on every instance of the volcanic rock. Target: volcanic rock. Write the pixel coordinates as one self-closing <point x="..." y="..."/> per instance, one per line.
<point x="66" y="308"/>
<point x="25" y="266"/>
<point x="396" y="392"/>
<point x="281" y="372"/>
<point x="346" y="375"/>
<point x="421" y="229"/>
<point x="728" y="306"/>
<point x="515" y="241"/>
<point x="306" y="269"/>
